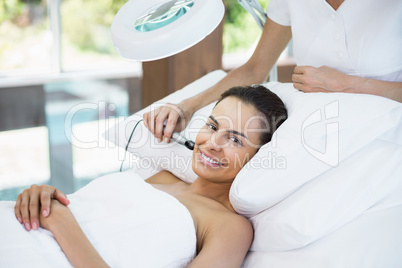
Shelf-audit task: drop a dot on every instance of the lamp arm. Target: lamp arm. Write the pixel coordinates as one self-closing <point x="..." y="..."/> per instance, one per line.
<point x="254" y="8"/>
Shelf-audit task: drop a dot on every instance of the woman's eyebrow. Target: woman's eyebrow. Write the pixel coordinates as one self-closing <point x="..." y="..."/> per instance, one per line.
<point x="230" y="131"/>
<point x="238" y="133"/>
<point x="213" y="119"/>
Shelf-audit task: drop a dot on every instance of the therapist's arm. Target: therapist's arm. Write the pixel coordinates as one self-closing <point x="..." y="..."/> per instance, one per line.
<point x="326" y="79"/>
<point x="273" y="40"/>
<point x="72" y="240"/>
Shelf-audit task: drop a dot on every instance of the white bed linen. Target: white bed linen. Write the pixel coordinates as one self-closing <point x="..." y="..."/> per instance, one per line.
<point x="129" y="222"/>
<point x="308" y="198"/>
<point x="371" y="241"/>
<point x="296" y="209"/>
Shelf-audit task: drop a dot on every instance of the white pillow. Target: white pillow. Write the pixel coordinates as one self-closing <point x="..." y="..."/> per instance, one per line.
<point x="363" y="183"/>
<point x="148" y="155"/>
<point x="293" y="188"/>
<point x="321" y="131"/>
<point x="299" y="194"/>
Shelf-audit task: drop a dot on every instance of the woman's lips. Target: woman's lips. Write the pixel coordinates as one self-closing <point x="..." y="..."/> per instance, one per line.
<point x="207" y="160"/>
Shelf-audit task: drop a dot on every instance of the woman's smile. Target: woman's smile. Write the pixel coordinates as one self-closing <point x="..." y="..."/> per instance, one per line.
<point x="209" y="160"/>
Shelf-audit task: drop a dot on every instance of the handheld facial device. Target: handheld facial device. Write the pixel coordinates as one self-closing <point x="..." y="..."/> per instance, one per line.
<point x="177" y="137"/>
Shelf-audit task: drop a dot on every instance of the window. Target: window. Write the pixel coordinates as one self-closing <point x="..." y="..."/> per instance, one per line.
<point x="54" y="56"/>
<point x="85" y="35"/>
<point x="56" y="37"/>
<point x="25" y="37"/>
<point x="58" y="140"/>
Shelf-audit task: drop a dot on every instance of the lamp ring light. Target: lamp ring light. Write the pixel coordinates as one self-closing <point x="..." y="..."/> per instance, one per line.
<point x="155" y="29"/>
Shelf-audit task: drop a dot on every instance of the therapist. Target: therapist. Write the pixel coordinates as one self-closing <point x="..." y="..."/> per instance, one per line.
<point x="352" y="46"/>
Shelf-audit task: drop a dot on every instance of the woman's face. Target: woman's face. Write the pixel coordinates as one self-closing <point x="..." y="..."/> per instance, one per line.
<point x="227" y="141"/>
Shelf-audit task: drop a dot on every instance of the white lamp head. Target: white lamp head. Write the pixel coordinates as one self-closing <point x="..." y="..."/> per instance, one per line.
<point x="154" y="29"/>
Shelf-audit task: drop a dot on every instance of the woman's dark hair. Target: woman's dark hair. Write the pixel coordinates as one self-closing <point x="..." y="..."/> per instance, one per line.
<point x="266" y="102"/>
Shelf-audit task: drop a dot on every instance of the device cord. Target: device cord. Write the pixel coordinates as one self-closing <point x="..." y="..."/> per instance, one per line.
<point x="128" y="143"/>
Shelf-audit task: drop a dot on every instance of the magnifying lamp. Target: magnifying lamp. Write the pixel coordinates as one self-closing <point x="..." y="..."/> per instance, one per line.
<point x="154" y="29"/>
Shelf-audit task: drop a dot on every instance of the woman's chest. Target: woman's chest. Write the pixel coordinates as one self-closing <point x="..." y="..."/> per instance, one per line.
<point x="204" y="211"/>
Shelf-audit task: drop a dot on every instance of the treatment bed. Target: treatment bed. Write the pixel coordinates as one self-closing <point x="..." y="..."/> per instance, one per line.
<point x="325" y="192"/>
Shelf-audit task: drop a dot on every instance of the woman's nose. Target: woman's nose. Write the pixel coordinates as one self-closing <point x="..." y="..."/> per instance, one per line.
<point x="216" y="141"/>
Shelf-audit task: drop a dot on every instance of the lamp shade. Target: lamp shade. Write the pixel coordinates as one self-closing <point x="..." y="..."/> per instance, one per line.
<point x="145" y="30"/>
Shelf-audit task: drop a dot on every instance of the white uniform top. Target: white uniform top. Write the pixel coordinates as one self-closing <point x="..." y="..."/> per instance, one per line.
<point x="361" y="38"/>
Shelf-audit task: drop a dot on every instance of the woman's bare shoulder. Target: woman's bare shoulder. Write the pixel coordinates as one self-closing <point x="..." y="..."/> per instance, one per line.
<point x="163" y="177"/>
<point x="232" y="222"/>
<point x="224" y="223"/>
<point x="224" y="237"/>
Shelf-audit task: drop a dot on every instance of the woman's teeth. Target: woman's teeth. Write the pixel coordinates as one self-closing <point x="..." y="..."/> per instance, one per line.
<point x="209" y="159"/>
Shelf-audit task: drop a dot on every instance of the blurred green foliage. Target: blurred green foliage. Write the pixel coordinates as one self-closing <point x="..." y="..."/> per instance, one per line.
<point x="240" y="29"/>
<point x="86" y="23"/>
<point x="83" y="20"/>
<point x="10" y="9"/>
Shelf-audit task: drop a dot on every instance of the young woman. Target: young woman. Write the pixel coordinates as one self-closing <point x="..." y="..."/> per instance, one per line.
<point x="242" y="121"/>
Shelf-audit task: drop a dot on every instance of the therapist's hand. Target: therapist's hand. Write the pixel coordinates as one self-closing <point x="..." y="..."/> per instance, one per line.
<point x="322" y="79"/>
<point x="34" y="201"/>
<point x="176" y="117"/>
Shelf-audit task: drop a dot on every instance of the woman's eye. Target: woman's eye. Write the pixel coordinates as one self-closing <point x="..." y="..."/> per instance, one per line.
<point x="236" y="140"/>
<point x="211" y="126"/>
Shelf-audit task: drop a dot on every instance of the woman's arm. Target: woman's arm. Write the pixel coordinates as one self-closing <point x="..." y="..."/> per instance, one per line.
<point x="71" y="238"/>
<point x="225" y="243"/>
<point x="274" y="39"/>
<point x="326" y="79"/>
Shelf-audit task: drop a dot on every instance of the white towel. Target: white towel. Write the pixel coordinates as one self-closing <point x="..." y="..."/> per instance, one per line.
<point x="129" y="222"/>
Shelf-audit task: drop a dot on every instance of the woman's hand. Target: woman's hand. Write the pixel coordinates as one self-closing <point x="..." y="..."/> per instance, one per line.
<point x="34" y="201"/>
<point x="323" y="79"/>
<point x="176" y="117"/>
<point x="60" y="213"/>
